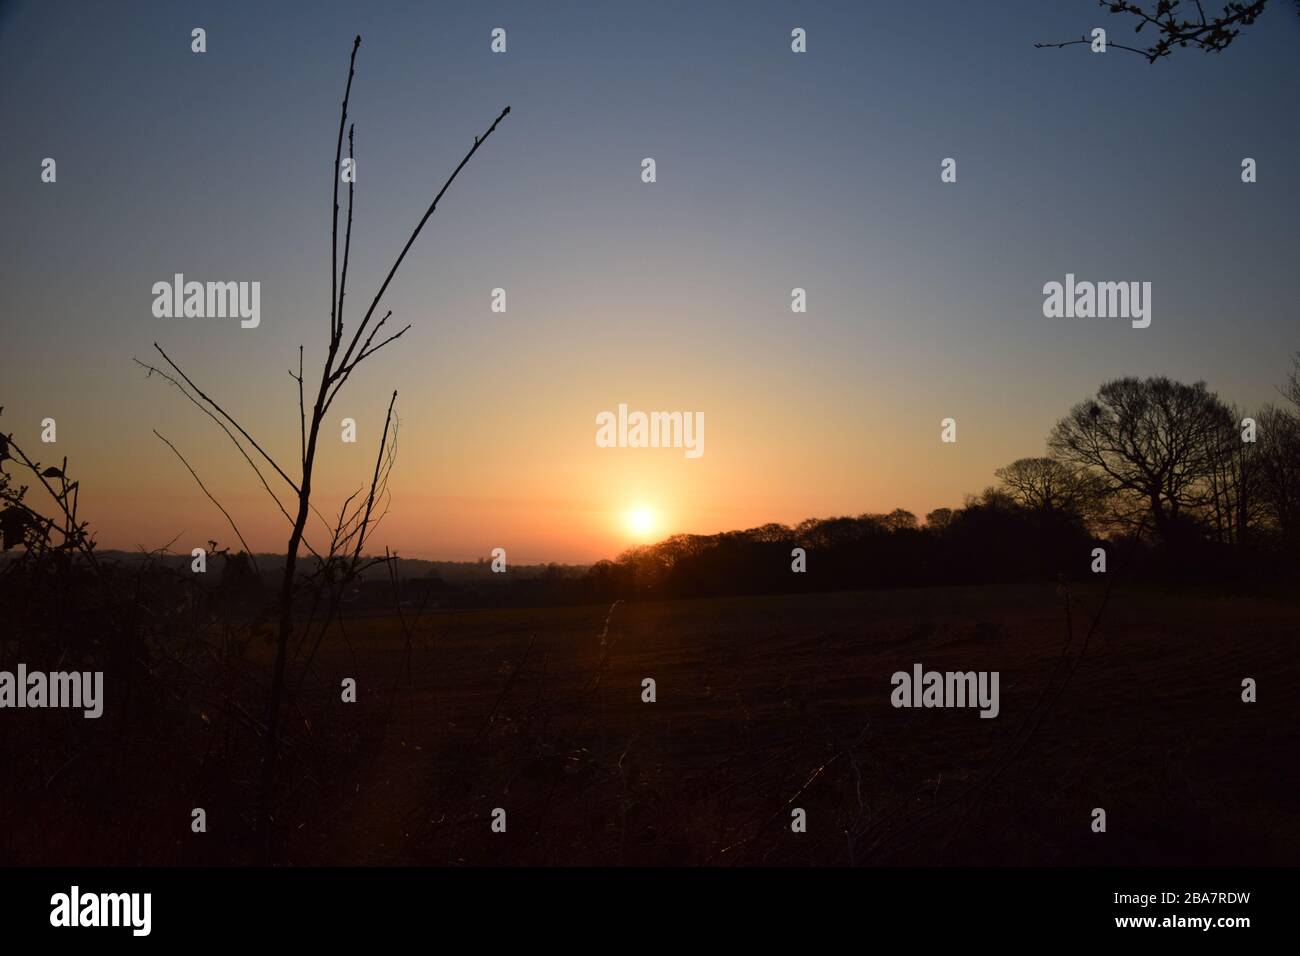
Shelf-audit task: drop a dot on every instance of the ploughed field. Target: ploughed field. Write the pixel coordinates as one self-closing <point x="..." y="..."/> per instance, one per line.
<point x="765" y="705"/>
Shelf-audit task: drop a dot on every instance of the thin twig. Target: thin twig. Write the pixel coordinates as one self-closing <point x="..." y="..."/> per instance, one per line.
<point x="335" y="318"/>
<point x="479" y="141"/>
<point x="220" y="506"/>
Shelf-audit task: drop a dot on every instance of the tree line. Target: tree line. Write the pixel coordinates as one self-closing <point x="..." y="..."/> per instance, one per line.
<point x="1188" y="486"/>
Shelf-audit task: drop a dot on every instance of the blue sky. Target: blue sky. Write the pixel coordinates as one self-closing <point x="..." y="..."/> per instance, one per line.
<point x="775" y="170"/>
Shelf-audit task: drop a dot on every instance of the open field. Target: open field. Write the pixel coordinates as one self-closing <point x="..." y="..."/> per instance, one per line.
<point x="770" y="703"/>
<point x="764" y="704"/>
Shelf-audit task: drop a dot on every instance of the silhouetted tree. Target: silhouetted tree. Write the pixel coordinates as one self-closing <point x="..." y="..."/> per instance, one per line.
<point x="1278" y="472"/>
<point x="1168" y="21"/>
<point x="1154" y="439"/>
<point x="939" y="519"/>
<point x="1045" y="484"/>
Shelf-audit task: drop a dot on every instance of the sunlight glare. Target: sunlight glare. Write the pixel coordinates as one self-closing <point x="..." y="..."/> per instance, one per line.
<point x="641" y="522"/>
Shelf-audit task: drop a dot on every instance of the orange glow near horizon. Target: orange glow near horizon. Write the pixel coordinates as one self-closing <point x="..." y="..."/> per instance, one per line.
<point x="527" y="475"/>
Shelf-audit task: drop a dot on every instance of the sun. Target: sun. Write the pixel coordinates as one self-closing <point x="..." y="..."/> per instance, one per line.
<point x="641" y="521"/>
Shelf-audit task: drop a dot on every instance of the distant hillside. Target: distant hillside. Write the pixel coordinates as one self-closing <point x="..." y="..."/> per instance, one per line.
<point x="450" y="571"/>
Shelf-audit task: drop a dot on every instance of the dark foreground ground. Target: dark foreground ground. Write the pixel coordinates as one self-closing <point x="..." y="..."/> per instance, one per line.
<point x="767" y="704"/>
<point x="763" y="705"/>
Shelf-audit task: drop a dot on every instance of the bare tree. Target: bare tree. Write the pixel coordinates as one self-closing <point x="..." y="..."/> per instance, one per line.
<point x="900" y="519"/>
<point x="1277" y="463"/>
<point x="1291" y="390"/>
<point x="1048" y="485"/>
<point x="939" y="519"/>
<point x="342" y="559"/>
<point x="1233" y="482"/>
<point x="1212" y="34"/>
<point x="1153" y="439"/>
<point x="1278" y="472"/>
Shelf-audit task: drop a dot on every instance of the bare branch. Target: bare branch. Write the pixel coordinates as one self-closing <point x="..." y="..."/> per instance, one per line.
<point x="366" y="351"/>
<point x="198" y="391"/>
<point x="347" y="241"/>
<point x="302" y="412"/>
<point x="235" y="441"/>
<point x="370" y="500"/>
<point x="221" y="507"/>
<point x="1109" y="45"/>
<point x="1211" y="36"/>
<point x="479" y="141"/>
<point x="335" y="318"/>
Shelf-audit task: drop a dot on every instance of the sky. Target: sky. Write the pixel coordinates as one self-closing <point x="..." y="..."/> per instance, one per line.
<point x="774" y="170"/>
